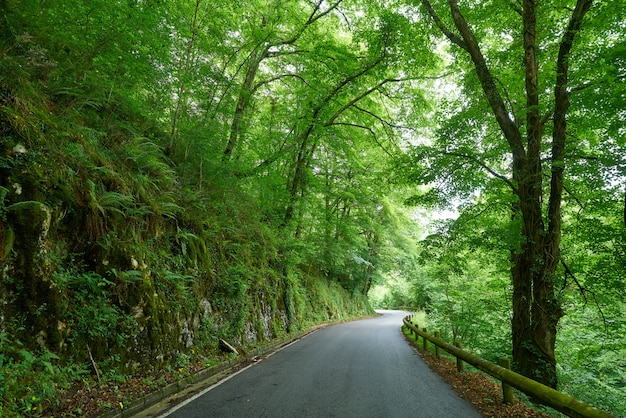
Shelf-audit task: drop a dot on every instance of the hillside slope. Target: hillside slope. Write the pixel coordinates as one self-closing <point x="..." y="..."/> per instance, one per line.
<point x="112" y="260"/>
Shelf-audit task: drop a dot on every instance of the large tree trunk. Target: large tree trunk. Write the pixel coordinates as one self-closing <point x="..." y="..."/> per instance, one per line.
<point x="536" y="311"/>
<point x="534" y="323"/>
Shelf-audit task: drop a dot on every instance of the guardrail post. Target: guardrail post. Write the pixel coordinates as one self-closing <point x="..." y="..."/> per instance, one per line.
<point x="409" y="319"/>
<point x="425" y="340"/>
<point x="460" y="366"/>
<point x="437" y="353"/>
<point x="507" y="391"/>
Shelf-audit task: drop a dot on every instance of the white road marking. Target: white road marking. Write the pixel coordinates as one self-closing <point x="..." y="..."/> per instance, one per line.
<point x="197" y="395"/>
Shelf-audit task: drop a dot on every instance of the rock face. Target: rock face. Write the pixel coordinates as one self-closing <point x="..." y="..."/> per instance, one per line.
<point x="124" y="303"/>
<point x="27" y="272"/>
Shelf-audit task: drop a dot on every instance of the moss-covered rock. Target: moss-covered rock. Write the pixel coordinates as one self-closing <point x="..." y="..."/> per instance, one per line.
<point x="28" y="274"/>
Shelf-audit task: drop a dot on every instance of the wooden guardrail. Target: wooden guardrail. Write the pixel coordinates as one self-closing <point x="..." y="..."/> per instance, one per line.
<point x="542" y="393"/>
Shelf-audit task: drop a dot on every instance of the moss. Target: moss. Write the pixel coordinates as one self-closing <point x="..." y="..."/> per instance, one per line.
<point x="31" y="270"/>
<point x="31" y="221"/>
<point x="7" y="239"/>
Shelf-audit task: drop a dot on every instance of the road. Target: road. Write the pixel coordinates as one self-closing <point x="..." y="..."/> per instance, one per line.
<point x="357" y="369"/>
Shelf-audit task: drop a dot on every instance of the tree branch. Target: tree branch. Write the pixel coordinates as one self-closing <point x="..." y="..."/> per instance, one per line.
<point x="380" y="118"/>
<point x="583" y="290"/>
<point x="370" y="130"/>
<point x="357" y="98"/>
<point x="313" y="17"/>
<point x="569" y="192"/>
<point x="272" y="54"/>
<point x="484" y="166"/>
<point x="476" y="216"/>
<point x="278" y="77"/>
<point x="516" y="6"/>
<point x="443" y="28"/>
<point x="569" y="272"/>
<point x="546" y="118"/>
<point x="508" y="101"/>
<point x="385" y="124"/>
<point x="345" y="82"/>
<point x="559" y="132"/>
<point x="508" y="126"/>
<point x="618" y="78"/>
<point x="566" y="189"/>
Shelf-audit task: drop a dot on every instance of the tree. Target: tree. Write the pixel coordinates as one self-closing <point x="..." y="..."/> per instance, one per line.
<point x="536" y="310"/>
<point x="270" y="43"/>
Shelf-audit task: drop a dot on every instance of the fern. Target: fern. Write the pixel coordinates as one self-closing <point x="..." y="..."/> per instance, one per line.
<point x="148" y="158"/>
<point x="165" y="205"/>
<point x="3" y="210"/>
<point x="169" y="209"/>
<point x="116" y="202"/>
<point x="104" y="202"/>
<point x="139" y="211"/>
<point x="76" y="98"/>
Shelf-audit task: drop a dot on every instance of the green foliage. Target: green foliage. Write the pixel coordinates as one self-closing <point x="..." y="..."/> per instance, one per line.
<point x="159" y="243"/>
<point x="29" y="380"/>
<point x="92" y="321"/>
<point x="394" y="292"/>
<point x="592" y="354"/>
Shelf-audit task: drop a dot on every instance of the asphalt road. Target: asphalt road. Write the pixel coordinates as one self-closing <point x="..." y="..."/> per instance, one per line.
<point x="358" y="369"/>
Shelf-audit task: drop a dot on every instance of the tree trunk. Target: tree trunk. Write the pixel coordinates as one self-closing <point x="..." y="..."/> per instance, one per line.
<point x="185" y="68"/>
<point x="536" y="310"/>
<point x="295" y="184"/>
<point x="533" y="325"/>
<point x="243" y="100"/>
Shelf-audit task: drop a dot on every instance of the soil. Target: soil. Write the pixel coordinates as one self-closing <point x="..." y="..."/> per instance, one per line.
<point x="90" y="399"/>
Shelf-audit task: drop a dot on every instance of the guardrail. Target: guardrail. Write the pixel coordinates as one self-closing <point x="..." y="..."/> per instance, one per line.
<point x="538" y="391"/>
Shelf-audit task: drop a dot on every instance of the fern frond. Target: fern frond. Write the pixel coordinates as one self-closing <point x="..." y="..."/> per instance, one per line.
<point x="168" y="209"/>
<point x="104" y="201"/>
<point x="116" y="202"/>
<point x="93" y="197"/>
<point x="139" y="211"/>
<point x="147" y="157"/>
<point x="77" y="97"/>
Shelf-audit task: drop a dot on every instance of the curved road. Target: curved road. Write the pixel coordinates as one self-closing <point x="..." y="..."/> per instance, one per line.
<point x="357" y="369"/>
